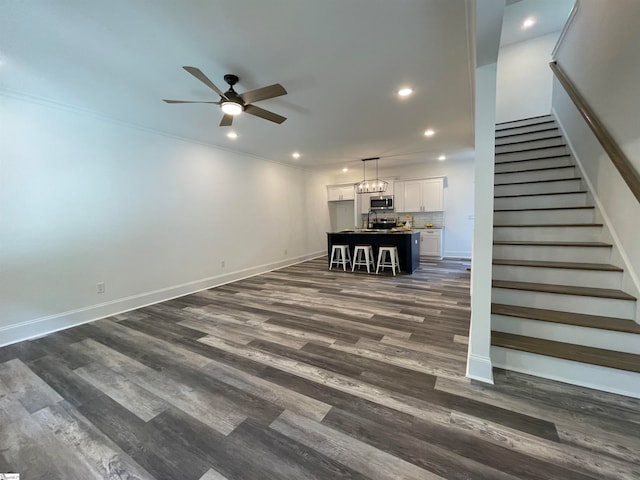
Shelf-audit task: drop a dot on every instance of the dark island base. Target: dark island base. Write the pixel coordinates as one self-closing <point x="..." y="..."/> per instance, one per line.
<point x="408" y="244"/>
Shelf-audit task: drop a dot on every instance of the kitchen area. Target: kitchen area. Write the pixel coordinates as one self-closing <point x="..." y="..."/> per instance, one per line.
<point x="413" y="207"/>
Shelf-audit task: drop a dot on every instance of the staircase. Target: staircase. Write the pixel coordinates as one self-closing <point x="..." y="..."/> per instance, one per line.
<point x="558" y="310"/>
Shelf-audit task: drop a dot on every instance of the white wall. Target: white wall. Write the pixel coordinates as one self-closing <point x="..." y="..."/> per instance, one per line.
<point x="458" y="196"/>
<point x="524" y="79"/>
<point x="86" y="200"/>
<point x="600" y="55"/>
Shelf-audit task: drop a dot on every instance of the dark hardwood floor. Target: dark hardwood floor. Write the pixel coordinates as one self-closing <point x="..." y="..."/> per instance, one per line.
<point x="300" y="373"/>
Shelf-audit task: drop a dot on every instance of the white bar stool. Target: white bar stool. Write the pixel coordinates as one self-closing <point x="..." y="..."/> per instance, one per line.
<point x="340" y="255"/>
<point x="363" y="257"/>
<point x="393" y="261"/>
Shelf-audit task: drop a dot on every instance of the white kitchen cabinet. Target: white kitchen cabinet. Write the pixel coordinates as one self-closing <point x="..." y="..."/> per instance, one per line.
<point x="337" y="193"/>
<point x="426" y="195"/>
<point x="431" y="242"/>
<point x="398" y="196"/>
<point x="363" y="199"/>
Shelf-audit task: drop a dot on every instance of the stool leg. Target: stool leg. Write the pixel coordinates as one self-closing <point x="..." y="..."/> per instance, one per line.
<point x="398" y="260"/>
<point x="348" y="258"/>
<point x="379" y="260"/>
<point x="392" y="258"/>
<point x="333" y="251"/>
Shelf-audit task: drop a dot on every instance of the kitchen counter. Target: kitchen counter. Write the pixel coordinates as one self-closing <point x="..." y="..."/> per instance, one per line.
<point x="407" y="241"/>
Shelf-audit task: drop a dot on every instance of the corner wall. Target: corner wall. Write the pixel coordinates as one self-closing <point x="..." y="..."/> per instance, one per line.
<point x="84" y="200"/>
<point x="524" y="79"/>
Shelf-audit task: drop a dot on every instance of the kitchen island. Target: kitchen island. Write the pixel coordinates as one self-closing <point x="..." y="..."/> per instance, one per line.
<point x="408" y="243"/>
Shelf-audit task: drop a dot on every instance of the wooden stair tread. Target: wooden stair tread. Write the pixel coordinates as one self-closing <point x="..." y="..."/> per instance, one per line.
<point x="522" y="133"/>
<point x="538" y="194"/>
<point x="563" y="289"/>
<point x="535" y="169"/>
<point x="537" y="225"/>
<point x="578" y="353"/>
<point x="568" y="318"/>
<point x="551" y="243"/>
<point x="552" y="180"/>
<point x="546" y="147"/>
<point x="529" y="140"/>
<point x="532" y="159"/>
<point x="565" y="265"/>
<point x="542" y="209"/>
<point x="537" y="117"/>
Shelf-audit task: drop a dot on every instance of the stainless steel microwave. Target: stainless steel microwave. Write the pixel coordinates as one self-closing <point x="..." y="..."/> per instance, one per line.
<point x="381" y="203"/>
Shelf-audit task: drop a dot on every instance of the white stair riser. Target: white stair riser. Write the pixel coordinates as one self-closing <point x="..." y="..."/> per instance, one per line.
<point x="558" y="276"/>
<point x="531" y="154"/>
<point x="535" y="163"/>
<point x="542" y="201"/>
<point x="553" y="253"/>
<point x="559" y="186"/>
<point x="528" y="145"/>
<point x="527" y="217"/>
<point x="576" y="373"/>
<point x="527" y="122"/>
<point x="535" y="175"/>
<point x="542" y="234"/>
<point x="559" y="332"/>
<point x="606" y="307"/>
<point x="510" y="137"/>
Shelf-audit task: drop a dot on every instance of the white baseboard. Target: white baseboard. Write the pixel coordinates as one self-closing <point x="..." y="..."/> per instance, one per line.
<point x="52" y="323"/>
<point x="457" y="254"/>
<point x="480" y="368"/>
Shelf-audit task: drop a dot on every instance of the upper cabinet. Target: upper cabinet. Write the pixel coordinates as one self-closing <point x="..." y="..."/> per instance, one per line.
<point x="337" y="193"/>
<point x="426" y="195"/>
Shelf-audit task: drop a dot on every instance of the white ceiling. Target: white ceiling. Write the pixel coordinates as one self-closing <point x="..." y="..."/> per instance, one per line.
<point x="340" y="60"/>
<point x="550" y="16"/>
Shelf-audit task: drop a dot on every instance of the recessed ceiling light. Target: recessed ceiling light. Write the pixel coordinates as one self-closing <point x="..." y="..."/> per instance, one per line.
<point x="295" y="155"/>
<point x="429" y="132"/>
<point x="345" y="169"/>
<point x="405" y="91"/>
<point x="232" y="135"/>
<point x="442" y="157"/>
<point x="529" y="22"/>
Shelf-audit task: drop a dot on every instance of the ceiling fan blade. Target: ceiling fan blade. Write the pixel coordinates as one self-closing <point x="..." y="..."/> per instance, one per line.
<point x="263" y="93"/>
<point x="186" y="101"/>
<point x="226" y="121"/>
<point x="262" y="113"/>
<point x="196" y="72"/>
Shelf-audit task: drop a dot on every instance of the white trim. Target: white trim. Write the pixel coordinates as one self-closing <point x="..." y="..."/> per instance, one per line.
<point x="606" y="379"/>
<point x="453" y="254"/>
<point x="51" y="323"/>
<point x="479" y="368"/>
<point x="565" y="29"/>
<point x="628" y="266"/>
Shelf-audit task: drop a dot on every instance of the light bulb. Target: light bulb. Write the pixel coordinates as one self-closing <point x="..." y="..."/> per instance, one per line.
<point x="231" y="108"/>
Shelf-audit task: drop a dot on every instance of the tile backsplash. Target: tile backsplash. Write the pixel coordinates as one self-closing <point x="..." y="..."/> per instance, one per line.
<point x="418" y="219"/>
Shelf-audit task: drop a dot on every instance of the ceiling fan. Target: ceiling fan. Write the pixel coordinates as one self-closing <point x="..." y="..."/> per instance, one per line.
<point x="233" y="103"/>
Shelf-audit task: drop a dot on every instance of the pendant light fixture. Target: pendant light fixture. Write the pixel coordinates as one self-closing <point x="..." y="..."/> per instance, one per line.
<point x="370" y="186"/>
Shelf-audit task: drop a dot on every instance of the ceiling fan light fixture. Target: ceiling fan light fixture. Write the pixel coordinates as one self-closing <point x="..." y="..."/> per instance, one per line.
<point x="231" y="108"/>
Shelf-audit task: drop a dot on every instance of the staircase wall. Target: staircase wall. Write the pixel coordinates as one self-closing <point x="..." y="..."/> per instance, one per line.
<point x="616" y="206"/>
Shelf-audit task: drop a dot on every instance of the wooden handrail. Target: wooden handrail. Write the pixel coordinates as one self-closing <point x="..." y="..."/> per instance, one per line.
<point x="615" y="153"/>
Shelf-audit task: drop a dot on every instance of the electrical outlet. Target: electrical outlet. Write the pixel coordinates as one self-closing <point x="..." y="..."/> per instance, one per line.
<point x="222" y="263"/>
<point x="100" y="287"/>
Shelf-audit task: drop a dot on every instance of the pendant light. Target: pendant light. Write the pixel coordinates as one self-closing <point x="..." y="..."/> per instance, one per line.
<point x="370" y="186"/>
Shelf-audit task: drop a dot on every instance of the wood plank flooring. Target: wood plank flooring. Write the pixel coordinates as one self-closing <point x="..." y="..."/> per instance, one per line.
<point x="300" y="373"/>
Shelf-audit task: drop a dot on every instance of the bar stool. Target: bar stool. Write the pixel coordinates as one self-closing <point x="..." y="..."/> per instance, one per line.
<point x="363" y="257"/>
<point x="340" y="256"/>
<point x="393" y="261"/>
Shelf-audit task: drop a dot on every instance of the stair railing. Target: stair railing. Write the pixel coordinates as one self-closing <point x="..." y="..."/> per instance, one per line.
<point x="614" y="152"/>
